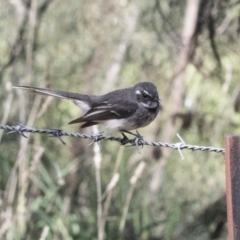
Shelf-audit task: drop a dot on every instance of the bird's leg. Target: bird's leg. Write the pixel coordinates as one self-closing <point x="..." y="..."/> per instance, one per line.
<point x="136" y="140"/>
<point x="137" y="134"/>
<point x="125" y="139"/>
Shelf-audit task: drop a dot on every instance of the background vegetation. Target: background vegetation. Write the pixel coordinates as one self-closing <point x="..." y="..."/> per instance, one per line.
<point x="189" y="49"/>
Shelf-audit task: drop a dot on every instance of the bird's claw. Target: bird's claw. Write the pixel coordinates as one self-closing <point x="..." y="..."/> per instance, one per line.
<point x="125" y="140"/>
<point x="137" y="141"/>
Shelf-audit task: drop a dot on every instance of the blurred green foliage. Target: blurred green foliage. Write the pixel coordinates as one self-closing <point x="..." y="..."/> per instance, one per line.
<point x="49" y="190"/>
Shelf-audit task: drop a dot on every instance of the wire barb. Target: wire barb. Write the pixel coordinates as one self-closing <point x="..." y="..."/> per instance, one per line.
<point x="137" y="141"/>
<point x="96" y="139"/>
<point x="179" y="146"/>
<point x="56" y="132"/>
<point x="20" y="129"/>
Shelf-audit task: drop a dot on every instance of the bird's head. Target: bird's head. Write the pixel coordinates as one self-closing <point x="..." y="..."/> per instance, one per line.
<point x="147" y="95"/>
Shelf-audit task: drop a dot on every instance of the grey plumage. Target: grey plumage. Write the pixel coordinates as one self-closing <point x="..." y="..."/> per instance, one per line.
<point x="124" y="109"/>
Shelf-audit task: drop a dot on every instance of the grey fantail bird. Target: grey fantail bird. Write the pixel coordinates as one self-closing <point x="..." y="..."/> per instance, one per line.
<point x="123" y="109"/>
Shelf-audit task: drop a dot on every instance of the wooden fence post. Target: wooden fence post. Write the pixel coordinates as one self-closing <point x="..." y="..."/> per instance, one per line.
<point x="232" y="170"/>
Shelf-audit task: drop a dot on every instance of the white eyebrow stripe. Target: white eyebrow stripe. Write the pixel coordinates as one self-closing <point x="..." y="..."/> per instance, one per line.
<point x="146" y="92"/>
<point x="149" y="94"/>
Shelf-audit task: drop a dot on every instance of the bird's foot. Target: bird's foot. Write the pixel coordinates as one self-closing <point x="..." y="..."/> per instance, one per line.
<point x="137" y="141"/>
<point x="125" y="140"/>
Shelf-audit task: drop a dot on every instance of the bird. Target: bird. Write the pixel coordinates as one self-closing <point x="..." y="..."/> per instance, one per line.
<point x="124" y="109"/>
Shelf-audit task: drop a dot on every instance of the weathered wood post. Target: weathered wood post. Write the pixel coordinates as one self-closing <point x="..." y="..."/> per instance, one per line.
<point x="232" y="170"/>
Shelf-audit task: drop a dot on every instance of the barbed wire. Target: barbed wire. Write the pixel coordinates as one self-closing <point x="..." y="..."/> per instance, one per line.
<point x="137" y="141"/>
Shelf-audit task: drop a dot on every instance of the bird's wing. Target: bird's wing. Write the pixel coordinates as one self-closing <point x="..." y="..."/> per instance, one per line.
<point x="105" y="111"/>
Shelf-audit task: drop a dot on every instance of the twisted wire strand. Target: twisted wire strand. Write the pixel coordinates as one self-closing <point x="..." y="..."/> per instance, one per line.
<point x="138" y="141"/>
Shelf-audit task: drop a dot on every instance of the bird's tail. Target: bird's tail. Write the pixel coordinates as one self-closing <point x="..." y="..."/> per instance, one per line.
<point x="55" y="93"/>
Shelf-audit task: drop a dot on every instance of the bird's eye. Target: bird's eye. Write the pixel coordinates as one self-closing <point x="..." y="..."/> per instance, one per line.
<point x="145" y="95"/>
